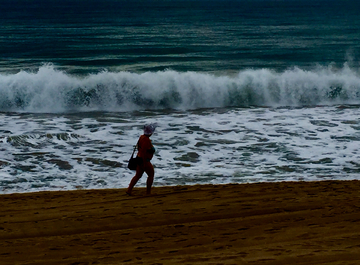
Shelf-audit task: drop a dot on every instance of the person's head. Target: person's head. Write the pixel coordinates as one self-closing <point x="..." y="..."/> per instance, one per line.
<point x="149" y="129"/>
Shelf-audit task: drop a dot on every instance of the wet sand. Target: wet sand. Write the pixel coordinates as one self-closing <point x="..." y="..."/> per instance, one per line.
<point x="266" y="223"/>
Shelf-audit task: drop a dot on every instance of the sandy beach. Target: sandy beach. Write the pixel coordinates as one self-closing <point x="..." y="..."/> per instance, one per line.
<point x="265" y="223"/>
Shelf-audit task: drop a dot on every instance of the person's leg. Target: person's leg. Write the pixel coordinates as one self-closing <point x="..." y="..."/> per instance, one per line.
<point x="135" y="179"/>
<point x="149" y="169"/>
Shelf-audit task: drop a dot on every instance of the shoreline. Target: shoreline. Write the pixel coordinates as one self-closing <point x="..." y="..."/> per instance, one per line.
<point x="258" y="223"/>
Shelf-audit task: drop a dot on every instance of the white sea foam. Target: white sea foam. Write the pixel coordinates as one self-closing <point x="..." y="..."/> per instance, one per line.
<point x="53" y="91"/>
<point x="72" y="151"/>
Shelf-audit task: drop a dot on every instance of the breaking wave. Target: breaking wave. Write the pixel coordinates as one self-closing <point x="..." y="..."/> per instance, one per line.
<point x="50" y="90"/>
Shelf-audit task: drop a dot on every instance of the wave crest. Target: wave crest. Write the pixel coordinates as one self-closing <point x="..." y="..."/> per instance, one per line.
<point x="51" y="90"/>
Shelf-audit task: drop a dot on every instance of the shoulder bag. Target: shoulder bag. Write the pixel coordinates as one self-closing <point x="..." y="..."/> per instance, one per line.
<point x="133" y="161"/>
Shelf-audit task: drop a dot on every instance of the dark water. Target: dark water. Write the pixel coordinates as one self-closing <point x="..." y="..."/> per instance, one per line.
<point x="87" y="36"/>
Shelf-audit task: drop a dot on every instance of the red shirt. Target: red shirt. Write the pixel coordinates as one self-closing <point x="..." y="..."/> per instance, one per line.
<point x="145" y="148"/>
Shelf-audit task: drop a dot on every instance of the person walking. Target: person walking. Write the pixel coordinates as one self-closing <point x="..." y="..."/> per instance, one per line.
<point x="145" y="153"/>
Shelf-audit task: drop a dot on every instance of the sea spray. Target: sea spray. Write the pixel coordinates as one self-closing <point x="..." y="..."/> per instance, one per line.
<point x="51" y="90"/>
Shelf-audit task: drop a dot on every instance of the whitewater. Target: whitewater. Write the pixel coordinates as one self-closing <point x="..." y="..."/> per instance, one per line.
<point x="50" y="90"/>
<point x="61" y="131"/>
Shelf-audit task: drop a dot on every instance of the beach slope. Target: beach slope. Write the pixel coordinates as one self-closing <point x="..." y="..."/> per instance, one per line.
<point x="264" y="223"/>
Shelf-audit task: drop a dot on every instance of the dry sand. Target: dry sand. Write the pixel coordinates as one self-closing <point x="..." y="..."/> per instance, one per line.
<point x="267" y="223"/>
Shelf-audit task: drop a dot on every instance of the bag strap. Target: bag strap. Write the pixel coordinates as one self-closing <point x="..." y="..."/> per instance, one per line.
<point x="134" y="149"/>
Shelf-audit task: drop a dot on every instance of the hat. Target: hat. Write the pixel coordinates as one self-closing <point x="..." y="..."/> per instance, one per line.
<point x="149" y="128"/>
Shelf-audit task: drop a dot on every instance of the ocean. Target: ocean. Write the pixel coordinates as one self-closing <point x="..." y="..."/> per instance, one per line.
<point x="243" y="91"/>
